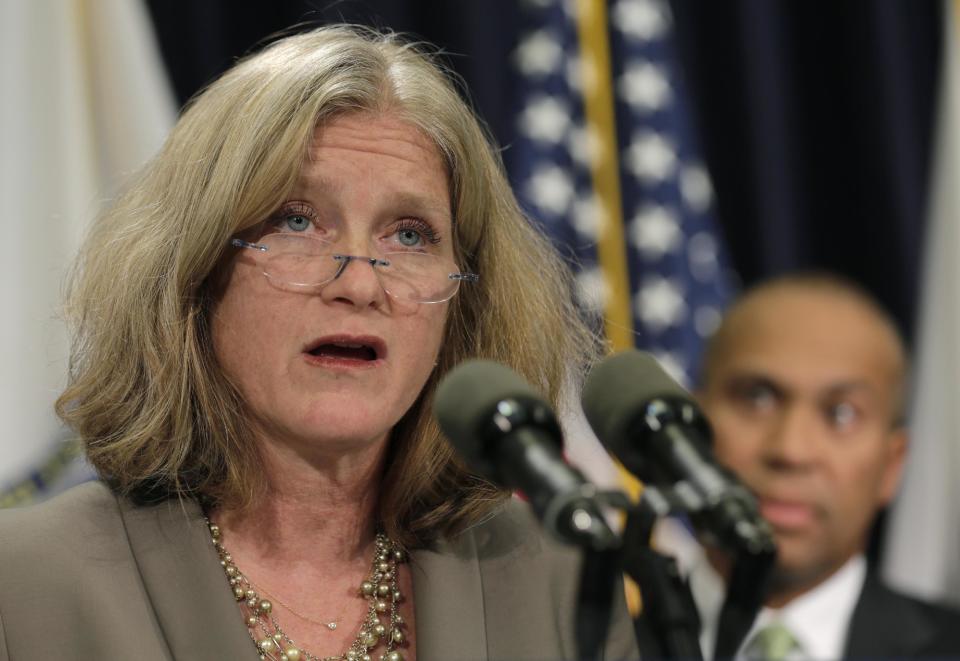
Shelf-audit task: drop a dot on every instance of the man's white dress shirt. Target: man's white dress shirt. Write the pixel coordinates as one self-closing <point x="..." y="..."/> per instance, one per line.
<point x="818" y="619"/>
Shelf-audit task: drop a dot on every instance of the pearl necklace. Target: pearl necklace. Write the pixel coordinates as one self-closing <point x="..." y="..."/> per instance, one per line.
<point x="380" y="590"/>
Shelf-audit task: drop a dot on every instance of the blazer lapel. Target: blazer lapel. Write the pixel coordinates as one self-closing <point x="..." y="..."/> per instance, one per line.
<point x="200" y="619"/>
<point x="448" y="601"/>
<point x="185" y="583"/>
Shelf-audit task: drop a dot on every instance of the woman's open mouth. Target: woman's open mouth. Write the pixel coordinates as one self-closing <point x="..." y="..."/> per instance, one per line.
<point x="346" y="351"/>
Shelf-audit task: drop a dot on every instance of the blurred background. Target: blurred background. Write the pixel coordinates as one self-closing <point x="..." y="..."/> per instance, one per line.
<point x="674" y="150"/>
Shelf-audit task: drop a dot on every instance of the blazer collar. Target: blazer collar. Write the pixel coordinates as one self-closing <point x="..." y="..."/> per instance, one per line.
<point x="448" y="601"/>
<point x="184" y="582"/>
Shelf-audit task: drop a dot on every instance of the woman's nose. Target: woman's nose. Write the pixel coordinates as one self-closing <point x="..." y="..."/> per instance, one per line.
<point x="355" y="282"/>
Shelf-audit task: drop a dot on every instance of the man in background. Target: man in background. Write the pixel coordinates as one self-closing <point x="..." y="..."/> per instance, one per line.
<point x="804" y="386"/>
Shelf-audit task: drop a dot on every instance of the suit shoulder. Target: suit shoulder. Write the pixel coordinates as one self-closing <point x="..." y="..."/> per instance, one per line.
<point x="888" y="623"/>
<point x="938" y="613"/>
<point x="941" y="622"/>
<point x="87" y="512"/>
<point x="514" y="529"/>
<point x="944" y="618"/>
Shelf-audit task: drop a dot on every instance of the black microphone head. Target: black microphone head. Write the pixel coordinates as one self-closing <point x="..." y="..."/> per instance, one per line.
<point x="507" y="433"/>
<point x="618" y="387"/>
<point x="638" y="411"/>
<point x="615" y="395"/>
<point x="468" y="400"/>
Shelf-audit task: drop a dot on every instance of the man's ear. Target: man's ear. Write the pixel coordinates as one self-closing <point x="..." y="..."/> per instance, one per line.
<point x="896" y="454"/>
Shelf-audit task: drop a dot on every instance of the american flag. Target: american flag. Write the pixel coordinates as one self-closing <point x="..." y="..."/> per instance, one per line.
<point x="606" y="162"/>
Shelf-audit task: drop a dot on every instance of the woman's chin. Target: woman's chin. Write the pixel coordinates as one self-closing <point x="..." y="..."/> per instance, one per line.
<point x="345" y="434"/>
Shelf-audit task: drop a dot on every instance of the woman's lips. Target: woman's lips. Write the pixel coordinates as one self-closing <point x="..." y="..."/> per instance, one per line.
<point x="340" y="362"/>
<point x="785" y="514"/>
<point x="345" y="351"/>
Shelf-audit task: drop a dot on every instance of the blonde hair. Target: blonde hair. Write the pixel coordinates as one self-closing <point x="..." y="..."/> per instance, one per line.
<point x="155" y="412"/>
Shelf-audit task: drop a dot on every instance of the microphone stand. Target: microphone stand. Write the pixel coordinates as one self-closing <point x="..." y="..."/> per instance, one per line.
<point x="669" y="626"/>
<point x="750" y="542"/>
<point x="745" y="592"/>
<point x="598" y="581"/>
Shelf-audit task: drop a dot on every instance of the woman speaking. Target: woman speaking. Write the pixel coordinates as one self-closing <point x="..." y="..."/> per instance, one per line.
<point x="260" y="321"/>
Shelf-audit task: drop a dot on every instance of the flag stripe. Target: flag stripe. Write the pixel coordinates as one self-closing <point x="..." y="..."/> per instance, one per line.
<point x="601" y="122"/>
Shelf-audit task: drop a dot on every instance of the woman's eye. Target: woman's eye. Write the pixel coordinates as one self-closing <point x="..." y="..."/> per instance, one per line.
<point x="414" y="233"/>
<point x="409" y="238"/>
<point x="293" y="216"/>
<point x="296" y="222"/>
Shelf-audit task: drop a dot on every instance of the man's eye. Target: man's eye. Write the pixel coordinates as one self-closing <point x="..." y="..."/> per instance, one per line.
<point x="758" y="397"/>
<point x="842" y="415"/>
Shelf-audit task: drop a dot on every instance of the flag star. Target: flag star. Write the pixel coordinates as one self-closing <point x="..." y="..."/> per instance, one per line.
<point x="655" y="231"/>
<point x="545" y="119"/>
<point x="640" y="20"/>
<point x="582" y="73"/>
<point x="592" y="290"/>
<point x="551" y="189"/>
<point x="589" y="217"/>
<point x="706" y="320"/>
<point x="659" y="304"/>
<point x="695" y="188"/>
<point x="644" y="87"/>
<point x="585" y="146"/>
<point x="702" y="255"/>
<point x="651" y="157"/>
<point x="539" y="54"/>
<point x="673" y="365"/>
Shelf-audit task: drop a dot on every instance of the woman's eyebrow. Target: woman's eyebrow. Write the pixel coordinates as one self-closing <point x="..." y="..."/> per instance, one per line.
<point x="409" y="199"/>
<point x="402" y="197"/>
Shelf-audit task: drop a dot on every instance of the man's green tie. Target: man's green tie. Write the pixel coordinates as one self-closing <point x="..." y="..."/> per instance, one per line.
<point x="773" y="642"/>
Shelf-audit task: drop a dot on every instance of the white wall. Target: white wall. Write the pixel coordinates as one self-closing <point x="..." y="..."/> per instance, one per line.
<point x="86" y="101"/>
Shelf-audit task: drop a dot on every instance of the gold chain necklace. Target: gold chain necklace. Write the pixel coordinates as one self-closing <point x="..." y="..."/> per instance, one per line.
<point x="329" y="624"/>
<point x="380" y="590"/>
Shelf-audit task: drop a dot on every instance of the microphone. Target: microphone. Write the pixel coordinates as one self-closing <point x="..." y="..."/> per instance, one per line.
<point x="508" y="434"/>
<point x="653" y="426"/>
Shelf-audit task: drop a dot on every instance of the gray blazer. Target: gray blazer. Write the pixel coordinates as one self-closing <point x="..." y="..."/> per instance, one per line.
<point x="90" y="576"/>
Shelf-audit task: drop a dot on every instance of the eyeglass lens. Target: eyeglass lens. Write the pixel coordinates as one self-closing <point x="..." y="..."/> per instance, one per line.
<point x="304" y="262"/>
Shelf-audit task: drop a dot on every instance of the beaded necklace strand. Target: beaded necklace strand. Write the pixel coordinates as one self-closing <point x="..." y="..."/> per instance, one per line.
<point x="380" y="589"/>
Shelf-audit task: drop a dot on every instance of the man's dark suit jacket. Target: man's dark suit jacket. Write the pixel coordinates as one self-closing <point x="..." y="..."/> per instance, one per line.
<point x="884" y="625"/>
<point x="888" y="624"/>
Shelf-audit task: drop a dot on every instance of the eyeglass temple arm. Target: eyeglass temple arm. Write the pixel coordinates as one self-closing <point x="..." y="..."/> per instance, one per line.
<point x="240" y="243"/>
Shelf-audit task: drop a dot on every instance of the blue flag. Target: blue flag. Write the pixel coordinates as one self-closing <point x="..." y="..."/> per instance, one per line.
<point x="675" y="279"/>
